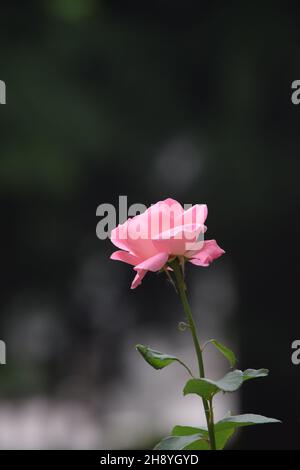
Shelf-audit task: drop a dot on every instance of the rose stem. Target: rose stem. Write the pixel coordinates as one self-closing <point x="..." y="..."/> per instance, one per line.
<point x="187" y="309"/>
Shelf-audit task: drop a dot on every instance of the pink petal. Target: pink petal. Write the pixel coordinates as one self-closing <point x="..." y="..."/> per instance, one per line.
<point x="133" y="236"/>
<point x="179" y="239"/>
<point x="139" y="236"/>
<point x="207" y="254"/>
<point x="155" y="263"/>
<point x="173" y="202"/>
<point x="157" y="218"/>
<point x="138" y="278"/>
<point x="126" y="257"/>
<point x="119" y="236"/>
<point x="175" y="210"/>
<point x="195" y="215"/>
<point x="137" y="233"/>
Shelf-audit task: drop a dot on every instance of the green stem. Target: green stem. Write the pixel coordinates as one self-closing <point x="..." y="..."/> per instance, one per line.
<point x="187" y="309"/>
<point x="186" y="367"/>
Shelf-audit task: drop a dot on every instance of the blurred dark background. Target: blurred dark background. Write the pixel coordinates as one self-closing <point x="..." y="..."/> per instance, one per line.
<point x="165" y="99"/>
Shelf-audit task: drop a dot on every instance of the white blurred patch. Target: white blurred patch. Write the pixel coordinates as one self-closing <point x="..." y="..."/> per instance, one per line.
<point x="41" y="424"/>
<point x="178" y="165"/>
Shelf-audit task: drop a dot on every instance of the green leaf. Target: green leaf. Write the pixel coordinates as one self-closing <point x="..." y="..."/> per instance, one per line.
<point x="200" y="444"/>
<point x="224" y="430"/>
<point x="254" y="374"/>
<point x="157" y="359"/>
<point x="207" y="388"/>
<point x="242" y="420"/>
<point x="222" y="437"/>
<point x="188" y="430"/>
<point x="225" y="351"/>
<point x="177" y="442"/>
<point x="202" y="387"/>
<point x="230" y="382"/>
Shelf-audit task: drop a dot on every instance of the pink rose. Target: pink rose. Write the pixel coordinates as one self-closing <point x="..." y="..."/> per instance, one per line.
<point x="164" y="231"/>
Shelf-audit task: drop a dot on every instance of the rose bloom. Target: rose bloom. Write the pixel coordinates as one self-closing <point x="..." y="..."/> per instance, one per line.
<point x="164" y="231"/>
